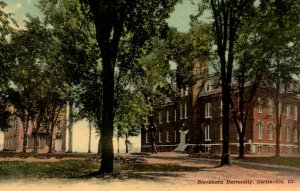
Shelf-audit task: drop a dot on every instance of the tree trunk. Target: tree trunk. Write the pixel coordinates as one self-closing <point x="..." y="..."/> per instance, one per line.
<point x="118" y="140"/>
<point x="126" y="142"/>
<point x="225" y="158"/>
<point x="90" y="129"/>
<point x="242" y="146"/>
<point x="50" y="144"/>
<point x="35" y="142"/>
<point x="24" y="142"/>
<point x="70" y="126"/>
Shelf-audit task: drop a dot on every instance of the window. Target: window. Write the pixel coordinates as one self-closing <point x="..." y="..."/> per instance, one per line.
<point x="146" y="137"/>
<point x="26" y="140"/>
<point x="280" y="108"/>
<point x="186" y="92"/>
<point x="160" y="117"/>
<point x="270" y="131"/>
<point x="175" y="136"/>
<point x="159" y="136"/>
<point x="15" y="123"/>
<point x="48" y="141"/>
<point x="168" y="116"/>
<point x="295" y="135"/>
<point x="207" y="148"/>
<point x="181" y="92"/>
<point x="221" y="132"/>
<point x="288" y="134"/>
<point x="185" y="111"/>
<point x="271" y="106"/>
<point x="181" y="111"/>
<point x="260" y="129"/>
<point x="38" y="141"/>
<point x="295" y="113"/>
<point x="175" y="115"/>
<point x="259" y="148"/>
<point x="208" y="110"/>
<point x="260" y="106"/>
<point x="288" y="111"/>
<point x="58" y="128"/>
<point x="168" y="136"/>
<point x="208" y="86"/>
<point x="270" y="149"/>
<point x="221" y="108"/>
<point x="207" y="133"/>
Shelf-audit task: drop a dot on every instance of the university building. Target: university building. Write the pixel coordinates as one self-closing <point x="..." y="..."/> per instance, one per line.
<point x="14" y="136"/>
<point x="193" y="121"/>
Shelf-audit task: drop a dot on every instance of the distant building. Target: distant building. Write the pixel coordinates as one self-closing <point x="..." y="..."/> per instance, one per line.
<point x="14" y="137"/>
<point x="194" y="121"/>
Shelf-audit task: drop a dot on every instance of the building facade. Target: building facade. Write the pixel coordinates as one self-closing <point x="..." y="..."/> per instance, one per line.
<point x="14" y="136"/>
<point x="194" y="121"/>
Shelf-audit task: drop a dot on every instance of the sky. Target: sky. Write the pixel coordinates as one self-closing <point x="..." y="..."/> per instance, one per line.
<point x="180" y="19"/>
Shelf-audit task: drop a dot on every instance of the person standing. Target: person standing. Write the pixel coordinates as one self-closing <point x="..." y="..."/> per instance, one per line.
<point x="152" y="130"/>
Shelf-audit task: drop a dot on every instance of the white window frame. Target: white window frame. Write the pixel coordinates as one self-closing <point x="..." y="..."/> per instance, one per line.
<point x="185" y="111"/>
<point x="168" y="116"/>
<point x="159" y="137"/>
<point x="295" y="135"/>
<point x="208" y="110"/>
<point x="288" y="134"/>
<point x="167" y="136"/>
<point x="259" y="129"/>
<point x="26" y="140"/>
<point x="175" y="136"/>
<point x="160" y="117"/>
<point x="260" y="148"/>
<point x="181" y="111"/>
<point x="271" y="106"/>
<point x="146" y="137"/>
<point x="259" y="105"/>
<point x="186" y="91"/>
<point x="208" y="86"/>
<point x="295" y="113"/>
<point x="270" y="148"/>
<point x="288" y="111"/>
<point x="221" y="108"/>
<point x="207" y="133"/>
<point x="181" y="92"/>
<point x="270" y="131"/>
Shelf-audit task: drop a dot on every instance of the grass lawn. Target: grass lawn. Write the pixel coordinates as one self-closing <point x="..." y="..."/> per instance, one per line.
<point x="283" y="161"/>
<point x="61" y="169"/>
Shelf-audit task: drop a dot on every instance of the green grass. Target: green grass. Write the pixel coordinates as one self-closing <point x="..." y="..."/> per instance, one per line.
<point x="283" y="161"/>
<point x="61" y="169"/>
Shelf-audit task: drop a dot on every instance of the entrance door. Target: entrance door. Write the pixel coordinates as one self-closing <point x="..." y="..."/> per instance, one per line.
<point x="58" y="143"/>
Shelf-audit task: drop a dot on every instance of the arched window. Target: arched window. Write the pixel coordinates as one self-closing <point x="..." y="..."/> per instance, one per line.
<point x="270" y="131"/>
<point x="260" y="129"/>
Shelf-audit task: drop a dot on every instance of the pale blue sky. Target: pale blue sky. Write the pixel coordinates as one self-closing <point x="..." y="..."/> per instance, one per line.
<point x="180" y="18"/>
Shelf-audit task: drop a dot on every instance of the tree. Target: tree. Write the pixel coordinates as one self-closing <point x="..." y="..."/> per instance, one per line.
<point x="226" y="16"/>
<point x="78" y="51"/>
<point x="114" y="20"/>
<point x="280" y="41"/>
<point x="6" y="60"/>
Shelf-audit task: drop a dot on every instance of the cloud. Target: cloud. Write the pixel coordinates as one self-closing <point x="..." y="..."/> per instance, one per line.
<point x="18" y="5"/>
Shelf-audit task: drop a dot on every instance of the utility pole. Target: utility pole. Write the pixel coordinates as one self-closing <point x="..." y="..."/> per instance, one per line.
<point x="90" y="129"/>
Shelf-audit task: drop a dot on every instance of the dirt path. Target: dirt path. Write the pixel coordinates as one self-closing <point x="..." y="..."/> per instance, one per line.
<point x="202" y="176"/>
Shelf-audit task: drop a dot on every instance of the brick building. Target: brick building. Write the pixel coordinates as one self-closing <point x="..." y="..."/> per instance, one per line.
<point x="13" y="137"/>
<point x="194" y="121"/>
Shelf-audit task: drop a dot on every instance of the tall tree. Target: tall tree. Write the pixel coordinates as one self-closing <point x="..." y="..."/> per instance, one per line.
<point x="226" y="16"/>
<point x="279" y="39"/>
<point x="135" y="20"/>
